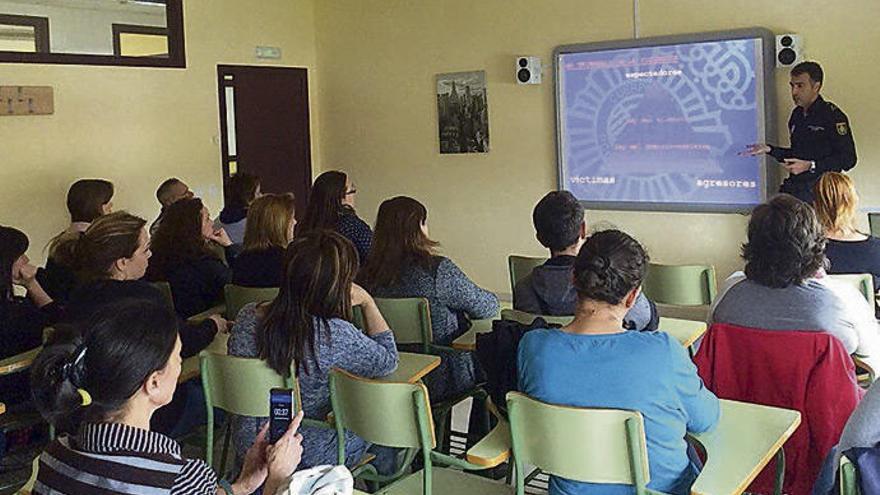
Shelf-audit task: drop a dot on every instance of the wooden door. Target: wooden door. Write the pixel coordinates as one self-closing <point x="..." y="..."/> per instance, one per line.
<point x="264" y="126"/>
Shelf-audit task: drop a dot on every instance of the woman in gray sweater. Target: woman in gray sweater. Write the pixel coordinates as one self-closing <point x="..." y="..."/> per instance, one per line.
<point x="403" y="263"/>
<point x="309" y="324"/>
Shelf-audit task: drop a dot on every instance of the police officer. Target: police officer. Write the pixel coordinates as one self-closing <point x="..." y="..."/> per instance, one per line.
<point x="821" y="139"/>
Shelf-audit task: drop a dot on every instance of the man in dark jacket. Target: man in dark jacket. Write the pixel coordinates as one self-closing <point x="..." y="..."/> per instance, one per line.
<point x="548" y="290"/>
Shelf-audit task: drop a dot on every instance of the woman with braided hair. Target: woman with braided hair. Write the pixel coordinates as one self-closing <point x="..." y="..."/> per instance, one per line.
<point x="595" y="362"/>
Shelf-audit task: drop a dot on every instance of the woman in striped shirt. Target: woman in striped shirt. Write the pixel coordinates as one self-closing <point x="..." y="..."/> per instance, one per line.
<point x="99" y="382"/>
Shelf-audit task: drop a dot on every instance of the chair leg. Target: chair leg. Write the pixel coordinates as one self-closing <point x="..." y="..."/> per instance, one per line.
<point x="780" y="471"/>
<point x="227" y="433"/>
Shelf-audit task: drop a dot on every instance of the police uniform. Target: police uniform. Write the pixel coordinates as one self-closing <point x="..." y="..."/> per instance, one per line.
<point x="820" y="134"/>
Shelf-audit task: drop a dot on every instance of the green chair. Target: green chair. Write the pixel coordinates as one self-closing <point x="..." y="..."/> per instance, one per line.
<point x="874" y="223"/>
<point x="551" y="438"/>
<point x="848" y="477"/>
<point x="237" y="297"/>
<point x="399" y="415"/>
<point x="527" y="318"/>
<point x="520" y="266"/>
<point x="862" y="282"/>
<point x="239" y="386"/>
<point x="410" y="320"/>
<point x="680" y="285"/>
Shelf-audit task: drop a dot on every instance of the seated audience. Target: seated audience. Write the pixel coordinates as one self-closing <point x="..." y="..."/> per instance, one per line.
<point x="331" y="206"/>
<point x="308" y="324"/>
<point x="270" y="224"/>
<point x="112" y="256"/>
<point x="169" y="192"/>
<point x="404" y="263"/>
<point x="87" y="199"/>
<point x="100" y="381"/>
<point x="784" y="286"/>
<point x="548" y="290"/>
<point x="183" y="256"/>
<point x="22" y="319"/>
<point x="242" y="190"/>
<point x="595" y="362"/>
<point x="847" y="249"/>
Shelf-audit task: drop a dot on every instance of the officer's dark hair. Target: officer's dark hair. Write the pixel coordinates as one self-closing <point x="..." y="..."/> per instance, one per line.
<point x="557" y="218"/>
<point x="812" y="68"/>
<point x="609" y="265"/>
<point x="786" y="243"/>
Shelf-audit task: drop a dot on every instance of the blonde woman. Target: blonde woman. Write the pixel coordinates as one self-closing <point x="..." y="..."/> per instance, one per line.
<point x="848" y="250"/>
<point x="270" y="224"/>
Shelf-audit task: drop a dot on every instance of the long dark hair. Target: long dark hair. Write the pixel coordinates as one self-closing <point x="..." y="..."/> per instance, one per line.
<point x="325" y="202"/>
<point x="13" y="244"/>
<point x="179" y="237"/>
<point x="609" y="265"/>
<point x="398" y="242"/>
<point x="320" y="266"/>
<point x="107" y="239"/>
<point x="109" y="356"/>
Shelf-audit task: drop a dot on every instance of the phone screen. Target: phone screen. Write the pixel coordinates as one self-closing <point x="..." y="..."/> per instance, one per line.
<point x="281" y="412"/>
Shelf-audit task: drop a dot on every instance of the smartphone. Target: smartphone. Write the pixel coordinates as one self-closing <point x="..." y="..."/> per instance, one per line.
<point x="281" y="412"/>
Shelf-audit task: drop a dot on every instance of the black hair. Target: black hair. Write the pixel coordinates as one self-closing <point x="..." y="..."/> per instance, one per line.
<point x="325" y="206"/>
<point x="609" y="265"/>
<point x="13" y="244"/>
<point x="86" y="197"/>
<point x="165" y="188"/>
<point x="813" y="69"/>
<point x="109" y="355"/>
<point x="241" y="190"/>
<point x="786" y="243"/>
<point x="558" y="218"/>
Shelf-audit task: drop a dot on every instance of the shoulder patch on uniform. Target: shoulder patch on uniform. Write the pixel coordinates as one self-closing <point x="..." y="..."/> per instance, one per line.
<point x="842" y="128"/>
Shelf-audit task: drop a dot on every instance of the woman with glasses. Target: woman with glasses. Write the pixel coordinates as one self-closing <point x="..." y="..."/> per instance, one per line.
<point x="331" y="206"/>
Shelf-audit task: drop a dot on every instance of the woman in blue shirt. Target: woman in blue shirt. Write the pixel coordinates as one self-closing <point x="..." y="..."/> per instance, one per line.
<point x="595" y="362"/>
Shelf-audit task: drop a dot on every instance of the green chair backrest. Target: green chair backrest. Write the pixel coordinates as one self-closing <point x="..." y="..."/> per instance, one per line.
<point x="874" y="223"/>
<point x="239" y="386"/>
<point x="520" y="266"/>
<point x="680" y="285"/>
<point x="385" y="413"/>
<point x="588" y="445"/>
<point x="848" y="477"/>
<point x="165" y="289"/>
<point x="237" y="297"/>
<point x="863" y="282"/>
<point x="409" y="319"/>
<point x="528" y="318"/>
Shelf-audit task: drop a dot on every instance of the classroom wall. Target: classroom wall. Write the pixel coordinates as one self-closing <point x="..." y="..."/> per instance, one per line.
<point x="378" y="113"/>
<point x="138" y="126"/>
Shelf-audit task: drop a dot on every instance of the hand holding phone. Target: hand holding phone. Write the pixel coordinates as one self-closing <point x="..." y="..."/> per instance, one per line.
<point x="280" y="412"/>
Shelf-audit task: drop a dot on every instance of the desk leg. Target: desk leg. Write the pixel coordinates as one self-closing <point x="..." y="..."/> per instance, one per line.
<point x="780" y="470"/>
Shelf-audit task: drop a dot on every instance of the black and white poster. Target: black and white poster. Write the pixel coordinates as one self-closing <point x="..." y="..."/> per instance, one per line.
<point x="463" y="113"/>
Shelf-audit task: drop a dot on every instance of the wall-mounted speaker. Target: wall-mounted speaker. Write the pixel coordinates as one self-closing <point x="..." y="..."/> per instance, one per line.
<point x="789" y="50"/>
<point x="528" y="70"/>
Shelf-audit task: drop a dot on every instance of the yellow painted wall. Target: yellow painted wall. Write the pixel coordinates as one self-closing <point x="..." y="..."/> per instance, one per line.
<point x="138" y="126"/>
<point x="378" y="113"/>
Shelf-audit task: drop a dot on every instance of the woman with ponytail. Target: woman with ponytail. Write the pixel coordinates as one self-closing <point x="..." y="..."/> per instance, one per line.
<point x="22" y="319"/>
<point x="111" y="258"/>
<point x="595" y="362"/>
<point x="99" y="383"/>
